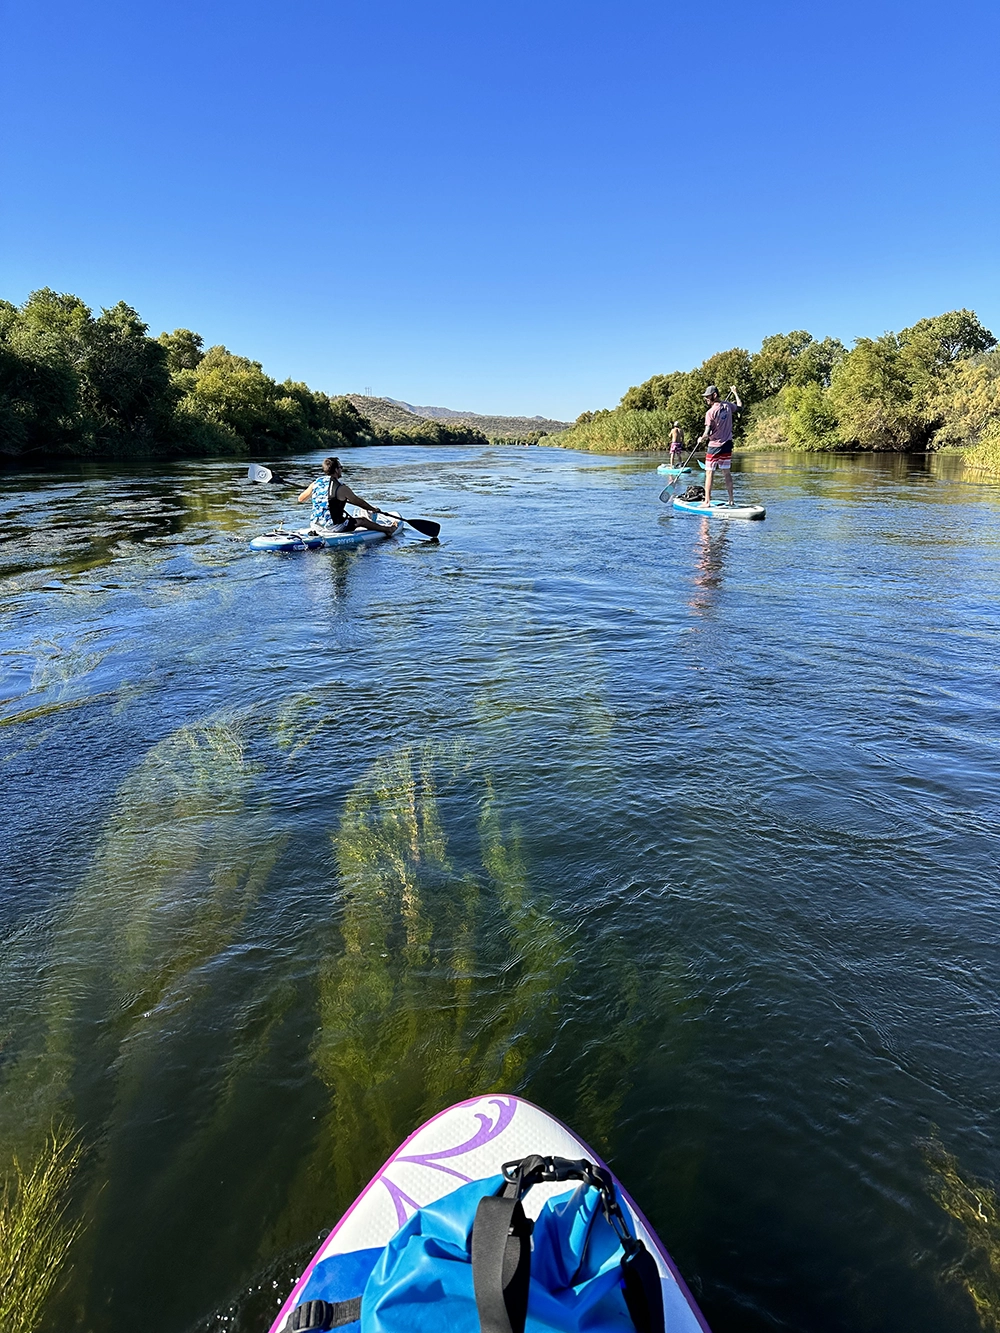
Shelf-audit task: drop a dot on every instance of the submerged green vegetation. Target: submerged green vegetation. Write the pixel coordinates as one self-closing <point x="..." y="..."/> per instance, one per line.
<point x="35" y="1233"/>
<point x="449" y="965"/>
<point x="932" y="386"/>
<point x="76" y="385"/>
<point x="973" y="1206"/>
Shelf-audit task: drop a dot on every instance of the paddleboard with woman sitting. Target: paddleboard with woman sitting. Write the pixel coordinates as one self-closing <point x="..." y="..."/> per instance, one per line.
<point x="329" y="495"/>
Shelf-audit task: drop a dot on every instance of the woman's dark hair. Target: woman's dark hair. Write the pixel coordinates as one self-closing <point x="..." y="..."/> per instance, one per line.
<point x="329" y="464"/>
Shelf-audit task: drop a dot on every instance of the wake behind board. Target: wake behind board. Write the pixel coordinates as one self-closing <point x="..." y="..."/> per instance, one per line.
<point x="672" y="471"/>
<point x="467" y="1142"/>
<point x="305" y="540"/>
<point x="719" y="509"/>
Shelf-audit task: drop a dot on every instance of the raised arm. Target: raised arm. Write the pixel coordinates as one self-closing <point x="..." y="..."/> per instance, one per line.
<point x="735" y="396"/>
<point x="345" y="493"/>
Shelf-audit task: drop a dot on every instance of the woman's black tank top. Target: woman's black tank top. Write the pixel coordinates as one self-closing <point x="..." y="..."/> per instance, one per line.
<point x="337" y="514"/>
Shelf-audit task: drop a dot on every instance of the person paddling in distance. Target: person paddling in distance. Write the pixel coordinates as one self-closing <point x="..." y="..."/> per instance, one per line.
<point x="329" y="495"/>
<point x="676" y="444"/>
<point x="718" y="437"/>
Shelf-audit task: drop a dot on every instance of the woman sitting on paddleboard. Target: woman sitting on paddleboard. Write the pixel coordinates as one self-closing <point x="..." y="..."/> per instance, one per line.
<point x="329" y="495"/>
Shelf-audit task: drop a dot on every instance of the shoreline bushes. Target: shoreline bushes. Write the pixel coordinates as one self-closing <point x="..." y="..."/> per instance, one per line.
<point x="934" y="385"/>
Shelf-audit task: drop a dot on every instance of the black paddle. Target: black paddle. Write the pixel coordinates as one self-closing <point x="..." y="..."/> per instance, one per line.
<point x="426" y="526"/>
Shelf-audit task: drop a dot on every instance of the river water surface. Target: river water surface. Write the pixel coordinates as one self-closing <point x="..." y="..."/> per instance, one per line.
<point x="685" y="831"/>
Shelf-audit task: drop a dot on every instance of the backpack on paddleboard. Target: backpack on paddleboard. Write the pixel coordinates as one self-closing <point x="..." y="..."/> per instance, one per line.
<point x="694" y="494"/>
<point x="473" y="1262"/>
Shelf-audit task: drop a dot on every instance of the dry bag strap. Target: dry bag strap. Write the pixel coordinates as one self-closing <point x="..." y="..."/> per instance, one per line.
<point x="501" y="1247"/>
<point x="641" y="1288"/>
<point x="501" y="1264"/>
<point x="322" y="1315"/>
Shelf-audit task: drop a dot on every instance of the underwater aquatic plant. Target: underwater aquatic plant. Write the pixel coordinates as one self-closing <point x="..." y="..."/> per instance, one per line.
<point x="133" y="969"/>
<point x="35" y="1234"/>
<point x="449" y="966"/>
<point x="973" y="1205"/>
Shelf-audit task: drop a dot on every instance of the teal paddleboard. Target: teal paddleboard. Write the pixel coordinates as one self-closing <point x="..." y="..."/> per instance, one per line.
<point x="719" y="509"/>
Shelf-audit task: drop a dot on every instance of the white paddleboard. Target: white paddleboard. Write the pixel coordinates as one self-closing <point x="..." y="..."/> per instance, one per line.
<point x="305" y="540"/>
<point x="719" y="509"/>
<point x="471" y="1141"/>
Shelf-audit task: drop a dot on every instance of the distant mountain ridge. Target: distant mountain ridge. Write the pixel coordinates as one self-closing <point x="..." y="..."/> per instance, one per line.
<point x="393" y="412"/>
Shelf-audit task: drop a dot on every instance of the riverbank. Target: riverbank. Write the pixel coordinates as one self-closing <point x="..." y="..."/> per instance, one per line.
<point x="624" y="432"/>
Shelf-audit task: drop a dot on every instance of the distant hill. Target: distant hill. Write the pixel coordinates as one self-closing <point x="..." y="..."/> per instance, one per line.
<point x="391" y="412"/>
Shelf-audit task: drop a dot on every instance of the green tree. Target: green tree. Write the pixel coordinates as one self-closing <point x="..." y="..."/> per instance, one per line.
<point x="816" y="361"/>
<point x="40" y="349"/>
<point x="62" y="319"/>
<point x="125" y="384"/>
<point x="873" y="394"/>
<point x="932" y="345"/>
<point x="653" y="394"/>
<point x="771" y="367"/>
<point x="967" y="401"/>
<point x="793" y="358"/>
<point x="183" y="349"/>
<point x="687" y="405"/>
<point x="436" y="432"/>
<point x="808" y="418"/>
<point x="230" y="402"/>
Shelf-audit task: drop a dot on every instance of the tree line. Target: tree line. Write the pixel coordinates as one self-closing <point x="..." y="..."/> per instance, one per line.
<point x="931" y="386"/>
<point x="76" y="385"/>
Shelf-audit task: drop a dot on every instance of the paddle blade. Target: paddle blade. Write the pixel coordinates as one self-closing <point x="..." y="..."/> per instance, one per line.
<point x="257" y="473"/>
<point x="667" y="494"/>
<point x="425" y="525"/>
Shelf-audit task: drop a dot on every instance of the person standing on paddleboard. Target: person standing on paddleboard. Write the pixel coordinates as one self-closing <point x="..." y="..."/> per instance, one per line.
<point x="329" y="495"/>
<point x="676" y="444"/>
<point x="718" y="436"/>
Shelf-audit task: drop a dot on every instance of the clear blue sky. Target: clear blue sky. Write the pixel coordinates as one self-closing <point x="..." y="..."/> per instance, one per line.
<point x="506" y="207"/>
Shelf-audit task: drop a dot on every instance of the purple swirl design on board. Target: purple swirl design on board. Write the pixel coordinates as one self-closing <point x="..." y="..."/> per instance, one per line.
<point x="488" y="1130"/>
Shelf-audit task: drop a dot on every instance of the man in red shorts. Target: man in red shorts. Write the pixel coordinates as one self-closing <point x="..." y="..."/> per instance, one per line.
<point x="718" y="437"/>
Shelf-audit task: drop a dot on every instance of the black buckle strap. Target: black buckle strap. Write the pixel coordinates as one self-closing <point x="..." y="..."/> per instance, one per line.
<point x="501" y="1250"/>
<point x="322" y="1315"/>
<point x="501" y="1264"/>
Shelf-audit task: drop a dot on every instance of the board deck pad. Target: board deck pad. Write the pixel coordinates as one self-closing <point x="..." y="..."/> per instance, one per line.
<point x="471" y="1141"/>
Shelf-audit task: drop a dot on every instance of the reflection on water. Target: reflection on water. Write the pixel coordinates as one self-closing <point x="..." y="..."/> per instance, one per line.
<point x="711" y="547"/>
<point x="686" y="832"/>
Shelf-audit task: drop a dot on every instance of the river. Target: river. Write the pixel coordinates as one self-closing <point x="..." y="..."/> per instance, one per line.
<point x="685" y="831"/>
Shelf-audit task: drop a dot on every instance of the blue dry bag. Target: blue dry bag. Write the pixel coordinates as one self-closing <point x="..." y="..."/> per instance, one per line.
<point x="474" y="1263"/>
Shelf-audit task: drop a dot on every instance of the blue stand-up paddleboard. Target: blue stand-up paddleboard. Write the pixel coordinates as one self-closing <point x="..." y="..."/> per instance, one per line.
<point x="492" y="1214"/>
<point x="673" y="471"/>
<point x="304" y="539"/>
